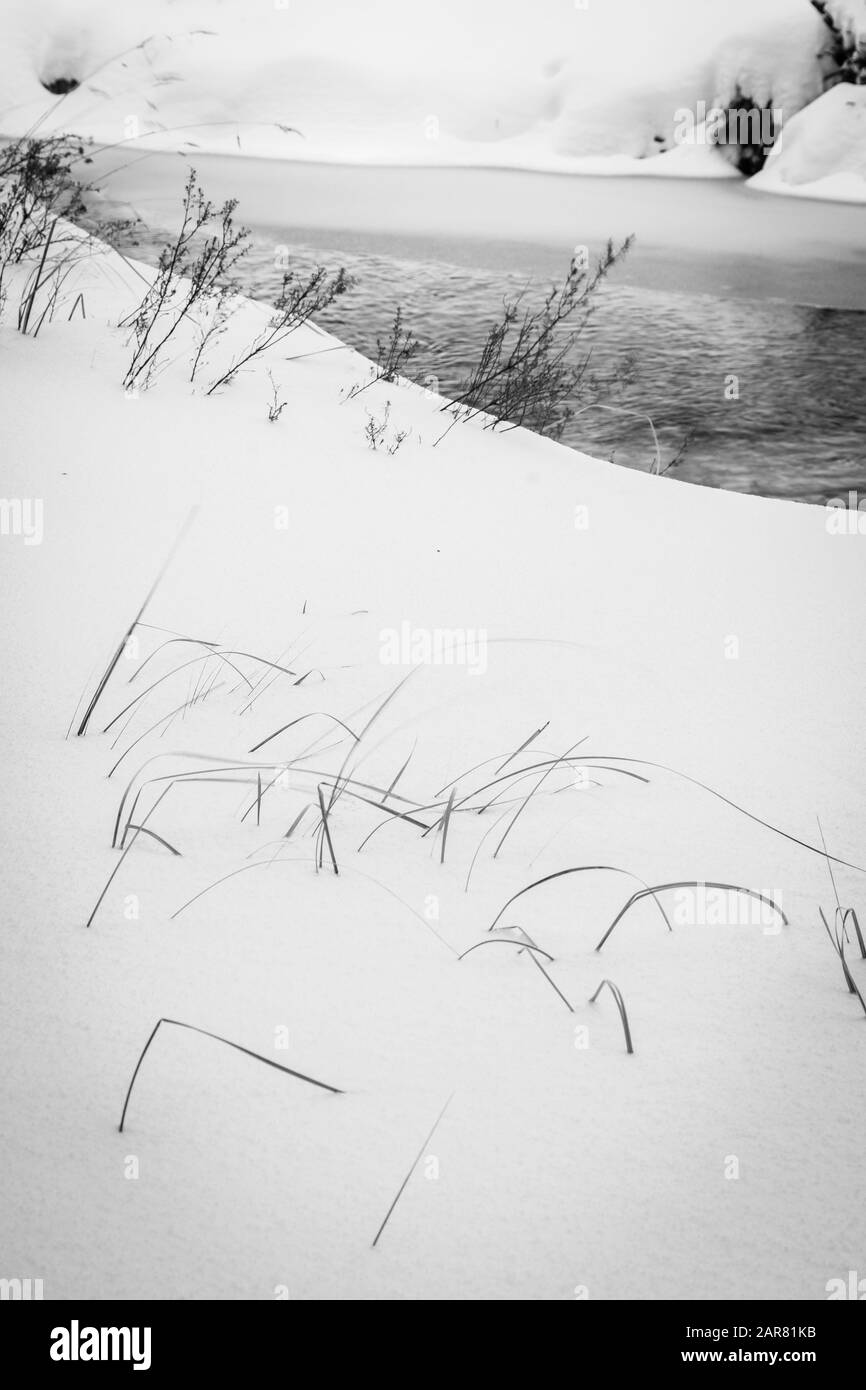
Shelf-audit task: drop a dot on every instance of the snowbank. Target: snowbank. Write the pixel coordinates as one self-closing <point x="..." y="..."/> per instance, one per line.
<point x="822" y="152"/>
<point x="712" y="633"/>
<point x="558" y="87"/>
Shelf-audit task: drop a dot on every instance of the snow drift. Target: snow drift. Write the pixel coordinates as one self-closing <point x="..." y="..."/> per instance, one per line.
<point x="557" y="86"/>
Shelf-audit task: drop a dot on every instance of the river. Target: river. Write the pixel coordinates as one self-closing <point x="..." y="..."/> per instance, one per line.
<point x="744" y="314"/>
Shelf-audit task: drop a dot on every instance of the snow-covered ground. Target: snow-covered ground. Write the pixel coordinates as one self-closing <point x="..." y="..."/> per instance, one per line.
<point x="559" y="86"/>
<point x="492" y="660"/>
<point x="598" y="614"/>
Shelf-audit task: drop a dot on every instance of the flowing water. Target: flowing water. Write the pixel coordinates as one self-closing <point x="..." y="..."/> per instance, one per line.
<point x="744" y="315"/>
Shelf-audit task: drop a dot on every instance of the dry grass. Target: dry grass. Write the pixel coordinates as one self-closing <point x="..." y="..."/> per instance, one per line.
<point x="620" y="1004"/>
<point x="268" y="1061"/>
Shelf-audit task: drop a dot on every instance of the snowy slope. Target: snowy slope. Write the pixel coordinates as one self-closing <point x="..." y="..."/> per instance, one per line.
<point x="714" y="633"/>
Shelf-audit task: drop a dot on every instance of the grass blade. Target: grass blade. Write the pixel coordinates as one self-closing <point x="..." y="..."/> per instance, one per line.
<point x="446" y="820"/>
<point x="690" y="883"/>
<point x="578" y="869"/>
<point x="415" y="1163"/>
<point x="503" y="941"/>
<point x="326" y="832"/>
<point x="107" y="674"/>
<point x="125" y="852"/>
<point x="268" y="1061"/>
<point x="620" y="1004"/>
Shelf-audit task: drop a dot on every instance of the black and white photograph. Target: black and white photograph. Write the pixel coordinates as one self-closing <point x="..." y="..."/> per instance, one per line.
<point x="433" y="554"/>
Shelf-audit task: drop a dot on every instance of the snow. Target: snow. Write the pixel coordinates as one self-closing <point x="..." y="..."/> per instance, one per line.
<point x="822" y="152"/>
<point x="849" y="16"/>
<point x="714" y="633"/>
<point x="562" y="87"/>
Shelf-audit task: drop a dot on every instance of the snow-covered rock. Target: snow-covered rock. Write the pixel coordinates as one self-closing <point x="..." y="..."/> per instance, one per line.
<point x="822" y="150"/>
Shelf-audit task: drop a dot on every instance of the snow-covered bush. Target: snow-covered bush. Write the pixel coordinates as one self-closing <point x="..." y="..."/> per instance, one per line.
<point x="750" y="133"/>
<point x="846" y="21"/>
